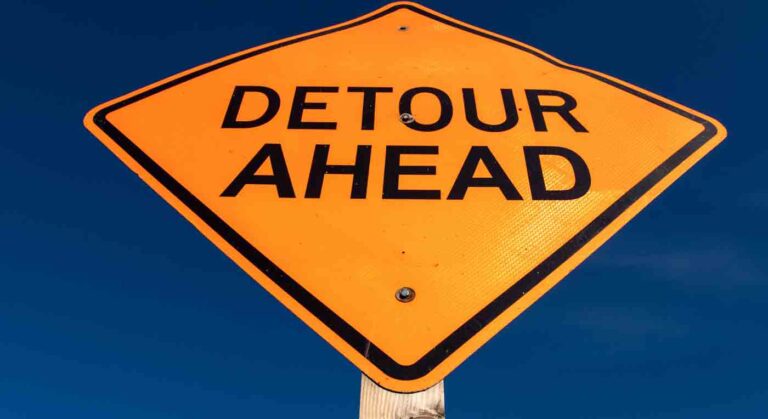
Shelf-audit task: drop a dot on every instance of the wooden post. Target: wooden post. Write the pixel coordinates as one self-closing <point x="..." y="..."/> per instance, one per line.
<point x="378" y="403"/>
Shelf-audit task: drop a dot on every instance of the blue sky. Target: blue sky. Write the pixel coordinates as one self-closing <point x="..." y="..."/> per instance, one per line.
<point x="113" y="306"/>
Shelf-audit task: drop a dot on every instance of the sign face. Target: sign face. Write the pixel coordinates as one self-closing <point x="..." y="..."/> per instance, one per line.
<point x="405" y="183"/>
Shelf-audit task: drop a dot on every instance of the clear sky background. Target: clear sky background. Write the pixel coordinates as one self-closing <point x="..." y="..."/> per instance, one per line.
<point x="114" y="306"/>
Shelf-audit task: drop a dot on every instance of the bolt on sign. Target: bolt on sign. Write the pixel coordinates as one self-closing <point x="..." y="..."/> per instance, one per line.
<point x="405" y="183"/>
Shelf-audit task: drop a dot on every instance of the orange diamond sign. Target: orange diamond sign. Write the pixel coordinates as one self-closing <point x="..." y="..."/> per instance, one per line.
<point x="405" y="183"/>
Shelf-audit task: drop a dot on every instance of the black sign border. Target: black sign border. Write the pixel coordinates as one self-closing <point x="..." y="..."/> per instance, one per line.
<point x="343" y="329"/>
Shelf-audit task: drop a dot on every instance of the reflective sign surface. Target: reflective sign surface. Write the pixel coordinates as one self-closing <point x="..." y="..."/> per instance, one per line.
<point x="405" y="183"/>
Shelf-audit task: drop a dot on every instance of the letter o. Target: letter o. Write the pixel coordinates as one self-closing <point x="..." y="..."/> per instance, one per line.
<point x="446" y="108"/>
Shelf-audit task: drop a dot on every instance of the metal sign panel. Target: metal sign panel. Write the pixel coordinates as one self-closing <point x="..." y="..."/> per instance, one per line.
<point x="405" y="183"/>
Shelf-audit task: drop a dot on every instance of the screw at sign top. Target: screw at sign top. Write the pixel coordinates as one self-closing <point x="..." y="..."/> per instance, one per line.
<point x="405" y="294"/>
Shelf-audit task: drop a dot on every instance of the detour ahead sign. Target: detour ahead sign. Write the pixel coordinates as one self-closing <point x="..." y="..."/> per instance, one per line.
<point x="405" y="183"/>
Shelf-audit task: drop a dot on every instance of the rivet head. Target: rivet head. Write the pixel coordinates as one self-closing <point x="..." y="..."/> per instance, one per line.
<point x="405" y="294"/>
<point x="406" y="118"/>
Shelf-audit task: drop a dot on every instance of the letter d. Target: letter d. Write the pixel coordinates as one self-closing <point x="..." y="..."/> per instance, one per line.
<point x="230" y="118"/>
